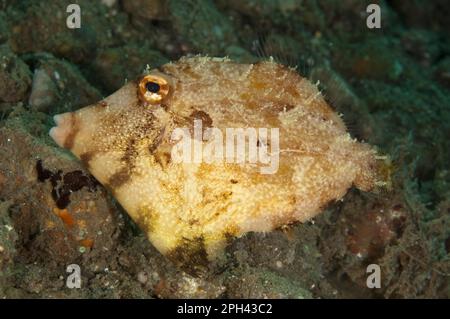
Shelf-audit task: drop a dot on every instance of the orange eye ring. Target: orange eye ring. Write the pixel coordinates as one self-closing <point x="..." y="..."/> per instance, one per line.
<point x="153" y="89"/>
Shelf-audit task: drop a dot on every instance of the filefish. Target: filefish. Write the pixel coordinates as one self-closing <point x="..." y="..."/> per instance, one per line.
<point x="191" y="209"/>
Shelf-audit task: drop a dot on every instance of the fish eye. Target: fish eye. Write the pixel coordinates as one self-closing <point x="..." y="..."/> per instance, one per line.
<point x="153" y="89"/>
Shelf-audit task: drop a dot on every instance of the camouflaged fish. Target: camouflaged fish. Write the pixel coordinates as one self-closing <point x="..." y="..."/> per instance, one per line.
<point x="190" y="208"/>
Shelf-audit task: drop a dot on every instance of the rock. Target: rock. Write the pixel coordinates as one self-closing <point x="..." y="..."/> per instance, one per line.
<point x="373" y="59"/>
<point x="424" y="46"/>
<point x="260" y="283"/>
<point x="44" y="92"/>
<point x="347" y="19"/>
<point x="109" y="3"/>
<point x="37" y="26"/>
<point x="407" y="117"/>
<point x="380" y="231"/>
<point x="57" y="209"/>
<point x="8" y="239"/>
<point x="15" y="77"/>
<point x="414" y="14"/>
<point x="203" y="25"/>
<point x="4" y="32"/>
<point x="442" y="72"/>
<point x="290" y="16"/>
<point x="142" y="277"/>
<point x="58" y="86"/>
<point x="147" y="9"/>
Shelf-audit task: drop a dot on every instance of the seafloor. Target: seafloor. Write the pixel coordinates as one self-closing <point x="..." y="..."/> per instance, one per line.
<point x="392" y="85"/>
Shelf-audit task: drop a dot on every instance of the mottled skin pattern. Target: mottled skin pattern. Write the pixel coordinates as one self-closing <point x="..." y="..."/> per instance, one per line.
<point x="190" y="210"/>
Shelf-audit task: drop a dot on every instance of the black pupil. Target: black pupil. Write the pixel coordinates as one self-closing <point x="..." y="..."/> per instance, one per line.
<point x="152" y="87"/>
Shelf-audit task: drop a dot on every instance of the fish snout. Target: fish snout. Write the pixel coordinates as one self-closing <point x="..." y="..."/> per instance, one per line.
<point x="62" y="132"/>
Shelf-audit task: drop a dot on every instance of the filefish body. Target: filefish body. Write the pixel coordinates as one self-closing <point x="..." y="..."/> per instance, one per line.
<point x="190" y="209"/>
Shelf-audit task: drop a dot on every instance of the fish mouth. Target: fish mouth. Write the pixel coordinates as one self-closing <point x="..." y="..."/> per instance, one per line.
<point x="63" y="128"/>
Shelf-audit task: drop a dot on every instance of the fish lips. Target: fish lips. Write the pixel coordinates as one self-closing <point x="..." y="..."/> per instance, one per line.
<point x="63" y="129"/>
